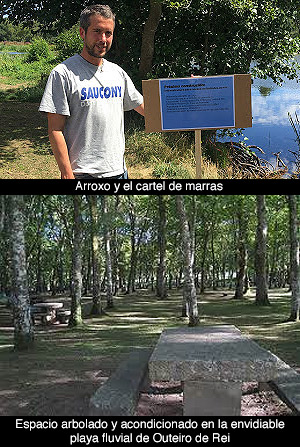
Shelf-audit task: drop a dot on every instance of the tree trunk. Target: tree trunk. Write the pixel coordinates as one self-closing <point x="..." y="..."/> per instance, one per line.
<point x="134" y="247"/>
<point x="107" y="240"/>
<point x="274" y="258"/>
<point x="203" y="260"/>
<point x="261" y="253"/>
<point x="23" y="327"/>
<point x="161" y="290"/>
<point x="214" y="282"/>
<point x="242" y="257"/>
<point x="97" y="304"/>
<point x="116" y="250"/>
<point x="147" y="49"/>
<point x="189" y="283"/>
<point x="76" y="317"/>
<point x="294" y="258"/>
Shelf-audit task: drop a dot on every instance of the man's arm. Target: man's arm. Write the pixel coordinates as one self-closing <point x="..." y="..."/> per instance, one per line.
<point x="140" y="109"/>
<point x="56" y="124"/>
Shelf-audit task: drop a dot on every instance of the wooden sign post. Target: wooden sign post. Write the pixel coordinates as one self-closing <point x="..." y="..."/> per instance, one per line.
<point x="198" y="103"/>
<point x="198" y="154"/>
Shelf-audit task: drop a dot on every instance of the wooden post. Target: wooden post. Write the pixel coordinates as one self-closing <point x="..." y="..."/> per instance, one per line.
<point x="198" y="154"/>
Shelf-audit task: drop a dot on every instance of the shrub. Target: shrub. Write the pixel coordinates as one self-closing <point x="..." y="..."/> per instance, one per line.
<point x="38" y="50"/>
<point x="14" y="32"/>
<point x="68" y="43"/>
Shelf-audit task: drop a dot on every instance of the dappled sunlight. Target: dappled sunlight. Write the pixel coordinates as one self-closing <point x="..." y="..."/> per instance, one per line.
<point x="142" y="319"/>
<point x="7" y="393"/>
<point x="6" y="347"/>
<point x="65" y="359"/>
<point x="6" y="329"/>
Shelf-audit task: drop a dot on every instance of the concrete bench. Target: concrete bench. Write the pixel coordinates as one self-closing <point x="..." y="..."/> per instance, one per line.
<point x="287" y="386"/>
<point x="63" y="316"/>
<point x="119" y="395"/>
<point x="41" y="314"/>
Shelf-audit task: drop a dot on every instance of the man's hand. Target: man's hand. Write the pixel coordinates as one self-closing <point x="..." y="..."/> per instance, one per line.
<point x="67" y="176"/>
<point x="140" y="109"/>
<point x="56" y="124"/>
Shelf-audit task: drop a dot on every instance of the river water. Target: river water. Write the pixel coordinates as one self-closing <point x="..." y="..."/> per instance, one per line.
<point x="271" y="129"/>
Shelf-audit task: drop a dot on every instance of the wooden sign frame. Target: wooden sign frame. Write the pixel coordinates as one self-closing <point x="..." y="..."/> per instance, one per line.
<point x="242" y="103"/>
<point x="242" y="110"/>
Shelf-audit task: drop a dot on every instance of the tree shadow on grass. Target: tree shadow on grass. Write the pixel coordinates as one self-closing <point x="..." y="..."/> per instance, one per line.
<point x="67" y="365"/>
<point x="22" y="124"/>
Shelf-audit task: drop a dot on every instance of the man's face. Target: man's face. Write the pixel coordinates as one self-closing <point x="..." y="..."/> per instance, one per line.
<point x="99" y="36"/>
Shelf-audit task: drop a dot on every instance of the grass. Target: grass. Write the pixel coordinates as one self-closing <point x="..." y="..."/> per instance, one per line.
<point x="138" y="320"/>
<point x="166" y="155"/>
<point x="19" y="47"/>
<point x="158" y="155"/>
<point x="66" y="366"/>
<point x="15" y="69"/>
<point x="26" y="153"/>
<point x="24" y="148"/>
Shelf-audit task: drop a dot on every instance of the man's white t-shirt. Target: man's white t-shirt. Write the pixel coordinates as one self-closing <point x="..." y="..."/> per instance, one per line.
<point x="94" y="100"/>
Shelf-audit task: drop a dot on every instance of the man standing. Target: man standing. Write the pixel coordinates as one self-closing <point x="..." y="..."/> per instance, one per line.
<point x="85" y="99"/>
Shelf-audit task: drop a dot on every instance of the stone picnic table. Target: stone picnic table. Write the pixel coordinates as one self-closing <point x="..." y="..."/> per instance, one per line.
<point x="47" y="311"/>
<point x="212" y="362"/>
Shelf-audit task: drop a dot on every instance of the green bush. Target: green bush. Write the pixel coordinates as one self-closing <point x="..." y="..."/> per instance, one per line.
<point x="39" y="49"/>
<point x="14" y="69"/>
<point x="14" y="32"/>
<point x="68" y="43"/>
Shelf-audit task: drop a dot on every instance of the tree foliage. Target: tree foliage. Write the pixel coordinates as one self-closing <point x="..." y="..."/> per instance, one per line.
<point x="132" y="226"/>
<point x="14" y="33"/>
<point x="218" y="36"/>
<point x="60" y="245"/>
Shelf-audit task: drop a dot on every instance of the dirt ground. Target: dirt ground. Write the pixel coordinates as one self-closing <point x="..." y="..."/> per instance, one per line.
<point x="36" y="391"/>
<point x="167" y="402"/>
<point x="61" y="382"/>
<point x="25" y="152"/>
<point x="31" y="387"/>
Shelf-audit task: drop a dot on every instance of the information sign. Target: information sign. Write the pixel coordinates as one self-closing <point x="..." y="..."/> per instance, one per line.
<point x="195" y="103"/>
<point x="198" y="103"/>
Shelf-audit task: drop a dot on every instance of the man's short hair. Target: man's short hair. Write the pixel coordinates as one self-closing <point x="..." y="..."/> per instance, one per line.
<point x="102" y="10"/>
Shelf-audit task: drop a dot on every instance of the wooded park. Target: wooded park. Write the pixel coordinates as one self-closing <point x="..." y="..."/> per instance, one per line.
<point x="123" y="268"/>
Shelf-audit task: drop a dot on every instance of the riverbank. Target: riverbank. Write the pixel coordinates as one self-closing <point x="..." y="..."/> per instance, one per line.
<point x="26" y="153"/>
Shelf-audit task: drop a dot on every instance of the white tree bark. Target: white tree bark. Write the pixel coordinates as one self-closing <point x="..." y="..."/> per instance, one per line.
<point x="261" y="252"/>
<point x="189" y="283"/>
<point x="76" y="316"/>
<point x="23" y="327"/>
<point x="294" y="258"/>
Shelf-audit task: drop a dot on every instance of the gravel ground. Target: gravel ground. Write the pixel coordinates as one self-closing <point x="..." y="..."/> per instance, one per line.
<point x="168" y="401"/>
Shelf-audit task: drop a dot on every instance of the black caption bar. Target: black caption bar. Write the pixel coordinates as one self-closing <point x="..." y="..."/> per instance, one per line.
<point x="70" y="431"/>
<point x="128" y="187"/>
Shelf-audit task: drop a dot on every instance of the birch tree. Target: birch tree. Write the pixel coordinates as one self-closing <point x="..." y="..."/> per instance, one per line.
<point x="190" y="294"/>
<point x="107" y="242"/>
<point x="23" y="326"/>
<point x="242" y="249"/>
<point x="97" y="304"/>
<point x="76" y="316"/>
<point x="161" y="290"/>
<point x="294" y="257"/>
<point x="261" y="252"/>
